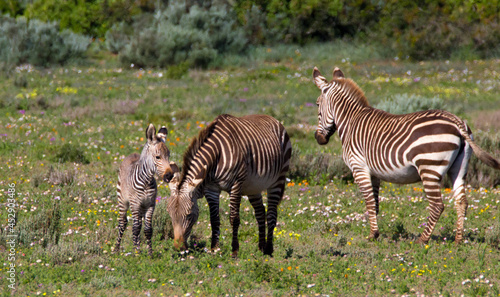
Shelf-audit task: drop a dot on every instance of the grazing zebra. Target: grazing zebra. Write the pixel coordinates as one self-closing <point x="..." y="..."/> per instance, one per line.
<point x="420" y="146"/>
<point x="242" y="156"/>
<point x="137" y="186"/>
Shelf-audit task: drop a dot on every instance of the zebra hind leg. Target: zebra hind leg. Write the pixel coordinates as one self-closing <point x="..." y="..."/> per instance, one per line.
<point x="148" y="229"/>
<point x="260" y="215"/>
<point x="457" y="174"/>
<point x="461" y="205"/>
<point x="274" y="196"/>
<point x="364" y="181"/>
<point x="432" y="188"/>
<point x="122" y="226"/>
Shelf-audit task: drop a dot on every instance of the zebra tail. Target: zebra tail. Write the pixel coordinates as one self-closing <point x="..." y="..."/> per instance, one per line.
<point x="484" y="156"/>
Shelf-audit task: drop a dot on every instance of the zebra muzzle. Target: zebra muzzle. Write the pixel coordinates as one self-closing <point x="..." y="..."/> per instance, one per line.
<point x="320" y="138"/>
<point x="167" y="176"/>
<point x="179" y="243"/>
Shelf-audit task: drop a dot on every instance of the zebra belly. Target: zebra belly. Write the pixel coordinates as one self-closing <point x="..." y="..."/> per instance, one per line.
<point x="404" y="175"/>
<point x="256" y="184"/>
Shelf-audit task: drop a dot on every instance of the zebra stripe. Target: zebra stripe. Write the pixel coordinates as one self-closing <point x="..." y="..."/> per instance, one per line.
<point x="421" y="146"/>
<point x="242" y="156"/>
<point x="137" y="188"/>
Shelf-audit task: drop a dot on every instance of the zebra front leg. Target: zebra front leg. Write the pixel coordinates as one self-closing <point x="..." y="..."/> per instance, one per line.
<point x="376" y="188"/>
<point x="213" y="204"/>
<point x="234" y="217"/>
<point x="122" y="226"/>
<point x="364" y="182"/>
<point x="432" y="188"/>
<point x="260" y="215"/>
<point x="148" y="228"/>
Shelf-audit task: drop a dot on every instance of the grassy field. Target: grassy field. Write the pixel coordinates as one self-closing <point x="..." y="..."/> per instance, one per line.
<point x="64" y="132"/>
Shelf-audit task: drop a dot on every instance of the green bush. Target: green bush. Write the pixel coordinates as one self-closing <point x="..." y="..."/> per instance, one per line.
<point x="407" y="103"/>
<point x="44" y="226"/>
<point x="318" y="168"/>
<point x="13" y="7"/>
<point x="176" y="36"/>
<point x="38" y="43"/>
<point x="437" y="29"/>
<point x="78" y="16"/>
<point x="70" y="153"/>
<point x="116" y="38"/>
<point x="305" y="21"/>
<point x="89" y="17"/>
<point x="480" y="175"/>
<point x="162" y="224"/>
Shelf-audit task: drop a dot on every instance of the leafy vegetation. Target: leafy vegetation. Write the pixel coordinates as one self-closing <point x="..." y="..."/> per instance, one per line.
<point x="211" y="29"/>
<point x="177" y="36"/>
<point x="405" y="103"/>
<point x="38" y="43"/>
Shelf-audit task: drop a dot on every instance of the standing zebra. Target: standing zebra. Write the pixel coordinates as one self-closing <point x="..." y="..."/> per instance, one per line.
<point x="242" y="156"/>
<point x="397" y="148"/>
<point x="137" y="185"/>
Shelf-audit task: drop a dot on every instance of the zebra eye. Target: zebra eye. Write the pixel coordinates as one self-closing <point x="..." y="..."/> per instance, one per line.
<point x="157" y="157"/>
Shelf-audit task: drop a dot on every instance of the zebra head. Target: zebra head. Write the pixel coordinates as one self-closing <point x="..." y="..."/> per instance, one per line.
<point x="183" y="206"/>
<point x="326" y="122"/>
<point x="157" y="153"/>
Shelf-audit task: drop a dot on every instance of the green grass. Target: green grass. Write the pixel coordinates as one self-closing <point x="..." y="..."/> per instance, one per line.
<point x="65" y="131"/>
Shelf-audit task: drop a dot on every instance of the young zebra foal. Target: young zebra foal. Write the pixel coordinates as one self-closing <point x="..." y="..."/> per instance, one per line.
<point x="137" y="186"/>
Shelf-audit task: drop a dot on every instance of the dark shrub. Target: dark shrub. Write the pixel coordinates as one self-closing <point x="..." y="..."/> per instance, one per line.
<point x="70" y="153"/>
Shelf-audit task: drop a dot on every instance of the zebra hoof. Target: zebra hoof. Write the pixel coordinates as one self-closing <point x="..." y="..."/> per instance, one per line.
<point x="421" y="241"/>
<point x="269" y="251"/>
<point x="234" y="255"/>
<point x="373" y="236"/>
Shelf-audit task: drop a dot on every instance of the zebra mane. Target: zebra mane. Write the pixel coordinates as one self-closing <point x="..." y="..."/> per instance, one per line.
<point x="193" y="148"/>
<point x="352" y="88"/>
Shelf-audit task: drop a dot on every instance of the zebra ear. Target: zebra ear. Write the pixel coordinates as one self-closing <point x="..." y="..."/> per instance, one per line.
<point x="337" y="73"/>
<point x="150" y="132"/>
<point x="174" y="183"/>
<point x="174" y="167"/>
<point x="162" y="134"/>
<point x="319" y="80"/>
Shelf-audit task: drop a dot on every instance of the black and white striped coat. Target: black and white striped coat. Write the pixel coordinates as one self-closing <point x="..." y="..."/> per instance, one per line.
<point x="242" y="156"/>
<point x="421" y="146"/>
<point x="137" y="187"/>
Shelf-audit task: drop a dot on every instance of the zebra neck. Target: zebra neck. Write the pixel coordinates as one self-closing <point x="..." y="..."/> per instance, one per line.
<point x="202" y="165"/>
<point x="344" y="112"/>
<point x="144" y="171"/>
